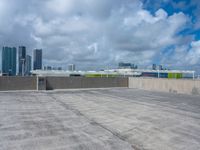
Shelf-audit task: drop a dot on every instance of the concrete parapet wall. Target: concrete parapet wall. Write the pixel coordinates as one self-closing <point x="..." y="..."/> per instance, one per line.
<point x="166" y="85"/>
<point x="82" y="82"/>
<point x="51" y="83"/>
<point x="18" y="83"/>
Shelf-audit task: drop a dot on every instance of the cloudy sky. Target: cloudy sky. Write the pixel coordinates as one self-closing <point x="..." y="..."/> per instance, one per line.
<point x="97" y="34"/>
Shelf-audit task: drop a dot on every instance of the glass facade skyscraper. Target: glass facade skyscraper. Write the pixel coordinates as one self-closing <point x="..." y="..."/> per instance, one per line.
<point x="37" y="59"/>
<point x="28" y="65"/>
<point x="9" y="61"/>
<point x="21" y="60"/>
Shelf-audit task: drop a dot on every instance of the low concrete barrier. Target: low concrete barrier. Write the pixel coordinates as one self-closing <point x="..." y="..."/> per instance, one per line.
<point x="166" y="85"/>
<point x="51" y="83"/>
<point x="82" y="82"/>
<point x="18" y="83"/>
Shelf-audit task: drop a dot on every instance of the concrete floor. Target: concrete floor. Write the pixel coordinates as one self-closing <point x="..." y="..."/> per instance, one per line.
<point x="99" y="119"/>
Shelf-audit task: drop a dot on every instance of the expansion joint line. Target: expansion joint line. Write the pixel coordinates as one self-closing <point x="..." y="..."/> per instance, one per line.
<point x="93" y="122"/>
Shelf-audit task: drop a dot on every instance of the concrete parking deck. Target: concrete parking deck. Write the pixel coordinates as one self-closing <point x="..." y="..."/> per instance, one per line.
<point x="99" y="119"/>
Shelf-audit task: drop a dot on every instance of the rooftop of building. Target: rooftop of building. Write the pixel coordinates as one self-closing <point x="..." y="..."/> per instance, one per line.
<point x="116" y="118"/>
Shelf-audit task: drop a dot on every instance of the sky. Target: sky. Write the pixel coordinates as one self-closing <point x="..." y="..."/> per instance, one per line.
<point x="98" y="34"/>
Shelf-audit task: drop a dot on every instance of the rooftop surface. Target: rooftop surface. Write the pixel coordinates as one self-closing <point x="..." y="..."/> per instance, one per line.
<point x="99" y="119"/>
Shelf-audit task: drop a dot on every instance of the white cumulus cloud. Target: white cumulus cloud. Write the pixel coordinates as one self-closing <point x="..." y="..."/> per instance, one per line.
<point x="91" y="33"/>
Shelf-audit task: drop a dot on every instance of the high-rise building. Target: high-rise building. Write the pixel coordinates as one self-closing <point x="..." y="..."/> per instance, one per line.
<point x="160" y="67"/>
<point x="47" y="68"/>
<point x="21" y="60"/>
<point x="71" y="67"/>
<point x="37" y="59"/>
<point x="28" y="65"/>
<point x="154" y="67"/>
<point x="59" y="68"/>
<point x="123" y="65"/>
<point x="9" y="61"/>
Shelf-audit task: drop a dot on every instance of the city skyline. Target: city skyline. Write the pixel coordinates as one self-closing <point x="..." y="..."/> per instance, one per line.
<point x="18" y="62"/>
<point x="24" y="63"/>
<point x="96" y="34"/>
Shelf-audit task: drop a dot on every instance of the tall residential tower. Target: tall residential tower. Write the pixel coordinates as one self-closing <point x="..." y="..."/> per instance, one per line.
<point x="9" y="61"/>
<point x="37" y="59"/>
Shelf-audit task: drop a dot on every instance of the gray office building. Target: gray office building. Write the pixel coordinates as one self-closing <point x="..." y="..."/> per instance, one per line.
<point x="28" y="65"/>
<point x="37" y="59"/>
<point x="9" y="61"/>
<point x="21" y="60"/>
